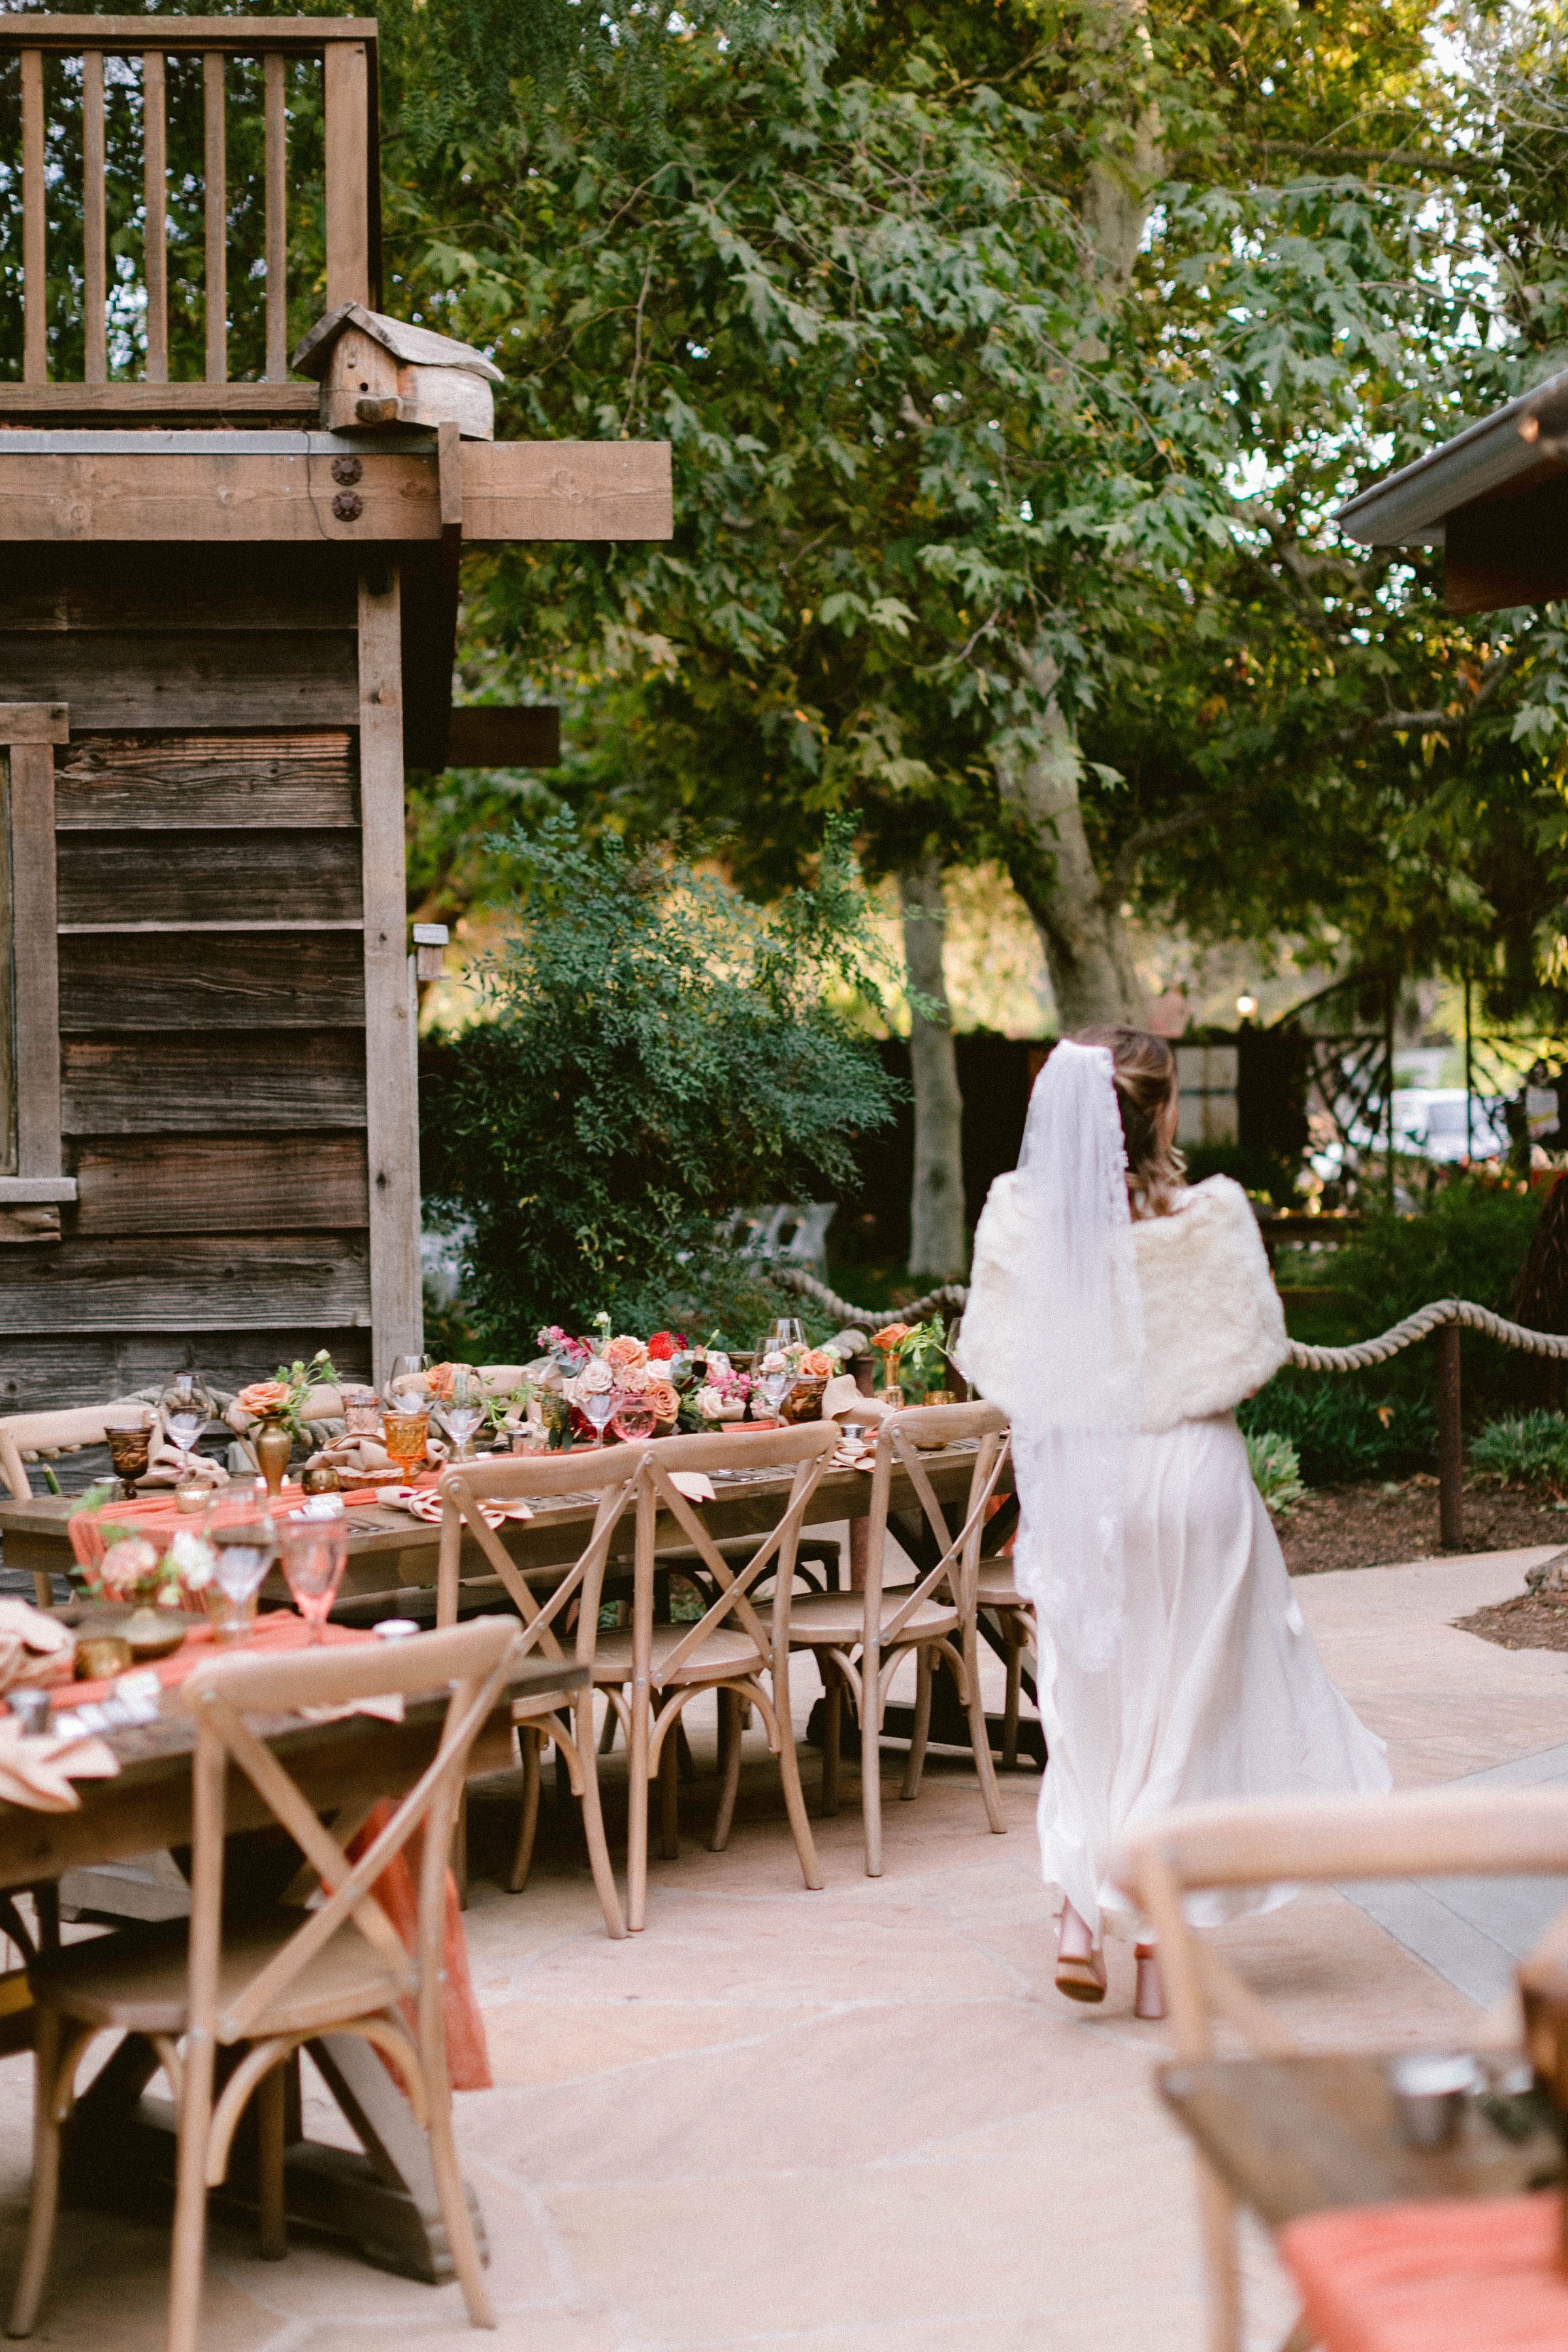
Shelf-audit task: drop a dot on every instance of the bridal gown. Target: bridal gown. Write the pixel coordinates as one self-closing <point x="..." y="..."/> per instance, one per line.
<point x="1217" y="1691"/>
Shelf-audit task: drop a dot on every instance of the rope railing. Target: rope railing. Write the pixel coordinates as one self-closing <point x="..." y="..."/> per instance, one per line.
<point x="1443" y="1318"/>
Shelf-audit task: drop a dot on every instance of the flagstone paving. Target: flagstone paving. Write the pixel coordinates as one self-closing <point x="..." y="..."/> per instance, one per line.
<point x="854" y="2121"/>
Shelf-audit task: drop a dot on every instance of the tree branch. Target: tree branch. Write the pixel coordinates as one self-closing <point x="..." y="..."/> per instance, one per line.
<point x="1155" y="834"/>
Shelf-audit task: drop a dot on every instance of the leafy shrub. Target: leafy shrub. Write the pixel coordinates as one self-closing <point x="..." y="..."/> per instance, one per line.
<point x="1276" y="1471"/>
<point x="1526" y="1449"/>
<point x="658" y="1050"/>
<point x="1340" y="1434"/>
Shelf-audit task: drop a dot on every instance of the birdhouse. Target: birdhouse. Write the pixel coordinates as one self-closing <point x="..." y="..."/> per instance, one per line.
<point x="378" y="371"/>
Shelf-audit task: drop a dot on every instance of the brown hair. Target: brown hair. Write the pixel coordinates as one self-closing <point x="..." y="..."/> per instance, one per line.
<point x="1144" y="1069"/>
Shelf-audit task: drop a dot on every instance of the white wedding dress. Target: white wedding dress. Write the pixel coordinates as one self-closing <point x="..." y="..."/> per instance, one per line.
<point x="1216" y="1689"/>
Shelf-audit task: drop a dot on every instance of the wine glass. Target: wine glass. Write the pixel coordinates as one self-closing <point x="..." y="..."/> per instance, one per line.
<point x="785" y="1331"/>
<point x="633" y="1418"/>
<point x="185" y="1413"/>
<point x="408" y="1384"/>
<point x="463" y="1409"/>
<point x="599" y="1410"/>
<point x="314" y="1545"/>
<point x="244" y="1550"/>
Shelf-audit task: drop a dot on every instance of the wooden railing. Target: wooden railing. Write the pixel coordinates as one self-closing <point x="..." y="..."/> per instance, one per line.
<point x="346" y="46"/>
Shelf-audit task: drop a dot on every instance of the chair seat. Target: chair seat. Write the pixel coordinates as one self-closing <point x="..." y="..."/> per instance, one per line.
<point x="836" y="1620"/>
<point x="998" y="1586"/>
<point x="727" y="1650"/>
<point x="135" y="1979"/>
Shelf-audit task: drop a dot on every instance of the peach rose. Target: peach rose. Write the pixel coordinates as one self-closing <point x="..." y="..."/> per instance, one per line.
<point x="817" y="1364"/>
<point x="623" y="1352"/>
<point x="127" y="1564"/>
<point x="438" y="1381"/>
<point x="263" y="1397"/>
<point x="666" y="1405"/>
<point x="888" y="1339"/>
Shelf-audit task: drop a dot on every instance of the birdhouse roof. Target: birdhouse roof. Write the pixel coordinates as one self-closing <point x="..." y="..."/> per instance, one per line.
<point x="416" y="345"/>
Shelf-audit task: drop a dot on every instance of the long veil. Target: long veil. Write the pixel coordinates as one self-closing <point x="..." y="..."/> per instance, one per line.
<point x="1084" y="1388"/>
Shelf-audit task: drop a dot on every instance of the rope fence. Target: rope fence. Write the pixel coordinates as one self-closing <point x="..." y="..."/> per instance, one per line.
<point x="1442" y="1318"/>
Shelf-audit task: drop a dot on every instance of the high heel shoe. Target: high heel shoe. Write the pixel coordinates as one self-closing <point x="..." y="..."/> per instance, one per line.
<point x="1080" y="1974"/>
<point x="1148" y="2000"/>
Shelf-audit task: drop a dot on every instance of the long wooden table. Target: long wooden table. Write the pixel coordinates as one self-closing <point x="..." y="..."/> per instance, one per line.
<point x="120" y="2145"/>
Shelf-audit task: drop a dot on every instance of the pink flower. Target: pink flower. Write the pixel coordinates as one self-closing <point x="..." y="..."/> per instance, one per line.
<point x="817" y="1364"/>
<point x="263" y="1397"/>
<point x="623" y="1352"/>
<point x="662" y="1398"/>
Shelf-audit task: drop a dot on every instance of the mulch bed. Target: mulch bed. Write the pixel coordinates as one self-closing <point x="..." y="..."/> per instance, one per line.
<point x="1371" y="1527"/>
<point x="1526" y="1623"/>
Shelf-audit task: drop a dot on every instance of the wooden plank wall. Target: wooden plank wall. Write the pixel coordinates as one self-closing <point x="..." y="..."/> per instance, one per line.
<point x="211" y="968"/>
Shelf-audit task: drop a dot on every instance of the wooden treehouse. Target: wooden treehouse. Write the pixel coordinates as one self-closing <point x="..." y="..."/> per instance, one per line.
<point x="228" y="616"/>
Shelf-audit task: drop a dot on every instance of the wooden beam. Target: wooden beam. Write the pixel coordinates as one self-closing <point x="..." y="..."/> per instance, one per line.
<point x="155" y="215"/>
<point x="172" y="494"/>
<point x="35" y="257"/>
<point x="127" y="35"/>
<point x="16" y="1192"/>
<point x="487" y="735"/>
<point x="215" y="1185"/>
<point x="391" y="1101"/>
<point x="215" y="282"/>
<point x="227" y="678"/>
<point x="134" y="1282"/>
<point x="35" y="722"/>
<point x="565" y="490"/>
<point x="154" y="397"/>
<point x="346" y="94"/>
<point x="202" y="1083"/>
<point x="36" y="976"/>
<point x="95" y="283"/>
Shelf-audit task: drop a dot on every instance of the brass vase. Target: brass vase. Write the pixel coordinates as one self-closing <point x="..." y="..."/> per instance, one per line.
<point x="274" y="1443"/>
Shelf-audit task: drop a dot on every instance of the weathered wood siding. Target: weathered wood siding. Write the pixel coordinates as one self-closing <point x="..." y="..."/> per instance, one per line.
<point x="211" y="967"/>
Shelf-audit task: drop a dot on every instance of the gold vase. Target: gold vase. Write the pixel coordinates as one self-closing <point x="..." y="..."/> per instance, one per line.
<point x="274" y="1443"/>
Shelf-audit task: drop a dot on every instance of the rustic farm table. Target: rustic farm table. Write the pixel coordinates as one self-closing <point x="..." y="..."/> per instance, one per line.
<point x="119" y="2147"/>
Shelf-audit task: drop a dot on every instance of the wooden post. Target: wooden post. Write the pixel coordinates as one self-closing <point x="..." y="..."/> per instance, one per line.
<point x="391" y="1105"/>
<point x="1450" y="1442"/>
<point x="34" y="947"/>
<point x="215" y="290"/>
<point x="276" y="67"/>
<point x="95" y="283"/>
<point x="346" y="93"/>
<point x="155" y="204"/>
<point x="35" y="260"/>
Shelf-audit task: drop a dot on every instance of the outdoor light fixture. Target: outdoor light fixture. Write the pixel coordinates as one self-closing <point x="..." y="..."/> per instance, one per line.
<point x="1246" y="1006"/>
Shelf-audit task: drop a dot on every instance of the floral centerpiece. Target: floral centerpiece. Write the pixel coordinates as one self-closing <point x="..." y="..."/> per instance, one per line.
<point x="134" y="1568"/>
<point x="688" y="1385"/>
<point x="284" y="1397"/>
<point x="914" y="1357"/>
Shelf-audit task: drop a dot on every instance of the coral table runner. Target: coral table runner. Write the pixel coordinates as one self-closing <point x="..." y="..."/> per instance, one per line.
<point x="1455" y="2276"/>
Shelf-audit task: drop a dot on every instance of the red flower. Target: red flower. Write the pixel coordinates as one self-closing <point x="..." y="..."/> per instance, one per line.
<point x="661" y="1346"/>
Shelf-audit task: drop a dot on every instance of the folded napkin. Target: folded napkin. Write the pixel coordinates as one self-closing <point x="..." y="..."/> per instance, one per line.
<point x="428" y="1507"/>
<point x="692" y="1484"/>
<point x="389" y="1708"/>
<point x="842" y="1400"/>
<point x="37" y="1773"/>
<point x="366" y="1458"/>
<point x="35" y="1650"/>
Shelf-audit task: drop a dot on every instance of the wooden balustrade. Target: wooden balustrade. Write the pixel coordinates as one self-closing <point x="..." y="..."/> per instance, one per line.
<point x="346" y="46"/>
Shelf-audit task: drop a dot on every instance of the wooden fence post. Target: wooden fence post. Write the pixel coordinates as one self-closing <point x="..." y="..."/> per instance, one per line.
<point x="1450" y="1442"/>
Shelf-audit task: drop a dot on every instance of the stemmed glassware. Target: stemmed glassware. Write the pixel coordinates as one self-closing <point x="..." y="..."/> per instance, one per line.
<point x="462" y="1410"/>
<point x="405" y="1424"/>
<point x="187" y="1409"/>
<point x="129" y="1448"/>
<point x="599" y="1409"/>
<point x="633" y="1418"/>
<point x="314" y="1545"/>
<point x="244" y="1548"/>
<point x="787" y="1331"/>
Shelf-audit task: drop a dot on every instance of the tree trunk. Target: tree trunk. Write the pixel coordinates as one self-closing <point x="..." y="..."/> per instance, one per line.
<point x="938" y="1242"/>
<point x="1087" y="950"/>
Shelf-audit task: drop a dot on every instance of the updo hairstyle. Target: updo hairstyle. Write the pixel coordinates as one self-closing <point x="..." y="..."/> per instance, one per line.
<point x="1144" y="1069"/>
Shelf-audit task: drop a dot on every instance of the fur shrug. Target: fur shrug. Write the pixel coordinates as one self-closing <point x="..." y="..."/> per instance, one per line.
<point x="1214" y="1328"/>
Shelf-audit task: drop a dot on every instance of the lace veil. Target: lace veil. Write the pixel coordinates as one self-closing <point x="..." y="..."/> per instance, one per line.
<point x="1084" y="1390"/>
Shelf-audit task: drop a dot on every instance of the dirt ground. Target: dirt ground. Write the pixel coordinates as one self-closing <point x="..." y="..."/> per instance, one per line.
<point x="1374" y="1526"/>
<point x="1527" y="1622"/>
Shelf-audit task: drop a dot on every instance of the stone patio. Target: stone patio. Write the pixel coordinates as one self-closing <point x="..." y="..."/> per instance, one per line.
<point x="855" y="2121"/>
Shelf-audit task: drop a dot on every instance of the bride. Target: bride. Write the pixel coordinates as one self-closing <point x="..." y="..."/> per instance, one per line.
<point x="1119" y="1316"/>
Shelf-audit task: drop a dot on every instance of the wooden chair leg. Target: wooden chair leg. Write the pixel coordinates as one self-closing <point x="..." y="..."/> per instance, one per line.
<point x="607" y="1736"/>
<point x="271" y="2103"/>
<point x="685" y="1760"/>
<point x="1216" y="2215"/>
<point x="46" y="2175"/>
<point x="191" y="2197"/>
<point x="1014" y="1690"/>
<point x="924" y="1668"/>
<point x="530" y="1745"/>
<point x="47" y="1911"/>
<point x="594" y="1817"/>
<point x="670" y="1797"/>
<point x="460" y="1850"/>
<point x="871" y="1759"/>
<point x="638" y="1795"/>
<point x="453" y="2200"/>
<point x="832" y="1732"/>
<point x="795" y="1795"/>
<point x="980" y="1738"/>
<point x="729" y="1768"/>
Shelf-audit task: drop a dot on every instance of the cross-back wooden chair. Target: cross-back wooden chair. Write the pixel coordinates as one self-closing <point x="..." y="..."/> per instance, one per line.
<point x="610" y="1476"/>
<point x="654" y="1671"/>
<point x="276" y="1983"/>
<point x="70" y="1429"/>
<point x="860" y="1638"/>
<point x="1419" y="1833"/>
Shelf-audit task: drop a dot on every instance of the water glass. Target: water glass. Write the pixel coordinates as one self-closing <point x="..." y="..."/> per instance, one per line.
<point x="130" y="1445"/>
<point x="362" y="1412"/>
<point x="404" y="1435"/>
<point x="244" y="1550"/>
<point x="599" y="1410"/>
<point x="408" y="1385"/>
<point x="632" y="1419"/>
<point x="787" y="1331"/>
<point x="463" y="1409"/>
<point x="314" y="1546"/>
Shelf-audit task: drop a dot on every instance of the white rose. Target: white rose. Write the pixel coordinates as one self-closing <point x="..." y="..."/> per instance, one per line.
<point x="194" y="1557"/>
<point x="632" y="1379"/>
<point x="775" y="1360"/>
<point x="709" y="1404"/>
<point x="719" y="1363"/>
<point x="596" y="1377"/>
